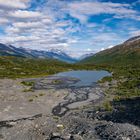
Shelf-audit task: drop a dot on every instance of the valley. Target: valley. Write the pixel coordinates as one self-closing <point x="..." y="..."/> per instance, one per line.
<point x="38" y="101"/>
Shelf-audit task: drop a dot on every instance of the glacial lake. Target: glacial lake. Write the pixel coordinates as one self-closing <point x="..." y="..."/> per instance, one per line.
<point x="86" y="77"/>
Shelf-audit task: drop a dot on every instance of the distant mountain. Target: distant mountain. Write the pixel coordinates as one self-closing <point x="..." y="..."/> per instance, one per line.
<point x="9" y="50"/>
<point x="127" y="52"/>
<point x="53" y="53"/>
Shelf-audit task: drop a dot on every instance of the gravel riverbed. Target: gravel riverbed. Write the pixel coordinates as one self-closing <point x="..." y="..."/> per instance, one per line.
<point x="53" y="110"/>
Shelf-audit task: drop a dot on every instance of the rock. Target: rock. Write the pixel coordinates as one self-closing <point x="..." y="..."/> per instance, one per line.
<point x="125" y="138"/>
<point x="60" y="126"/>
<point x="55" y="136"/>
<point x="12" y="123"/>
<point x="117" y="131"/>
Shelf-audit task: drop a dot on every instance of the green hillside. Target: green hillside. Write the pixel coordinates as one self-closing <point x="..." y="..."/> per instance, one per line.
<point x="126" y="53"/>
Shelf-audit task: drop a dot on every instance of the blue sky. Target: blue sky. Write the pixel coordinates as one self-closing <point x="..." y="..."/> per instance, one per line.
<point x="74" y="26"/>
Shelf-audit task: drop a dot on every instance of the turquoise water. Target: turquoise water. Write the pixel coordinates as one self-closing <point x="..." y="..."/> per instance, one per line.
<point x="86" y="78"/>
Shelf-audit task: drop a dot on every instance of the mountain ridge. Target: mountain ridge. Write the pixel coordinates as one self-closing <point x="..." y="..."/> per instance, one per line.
<point x="10" y="50"/>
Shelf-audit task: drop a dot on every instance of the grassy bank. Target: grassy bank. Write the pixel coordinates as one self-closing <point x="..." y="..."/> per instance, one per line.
<point x="16" y="67"/>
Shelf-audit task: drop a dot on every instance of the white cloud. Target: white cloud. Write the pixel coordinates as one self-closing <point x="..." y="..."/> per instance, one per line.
<point x="21" y="39"/>
<point x="26" y="25"/>
<point x="11" y="30"/>
<point x="47" y="20"/>
<point x="23" y="14"/>
<point x="82" y="10"/>
<point x="103" y="40"/>
<point x="63" y="23"/>
<point x="88" y="49"/>
<point x="16" y="4"/>
<point x="104" y="37"/>
<point x="3" y="21"/>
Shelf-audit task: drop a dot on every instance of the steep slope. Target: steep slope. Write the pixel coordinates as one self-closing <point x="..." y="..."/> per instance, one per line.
<point x="128" y="52"/>
<point x="9" y="50"/>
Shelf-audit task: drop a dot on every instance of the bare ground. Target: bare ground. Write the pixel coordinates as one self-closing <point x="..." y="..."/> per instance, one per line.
<point x="48" y="112"/>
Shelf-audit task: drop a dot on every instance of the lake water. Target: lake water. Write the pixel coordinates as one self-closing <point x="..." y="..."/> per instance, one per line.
<point x="86" y="78"/>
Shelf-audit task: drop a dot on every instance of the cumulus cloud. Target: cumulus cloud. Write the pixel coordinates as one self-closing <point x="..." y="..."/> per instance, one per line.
<point x="3" y="21"/>
<point x="17" y="4"/>
<point x="82" y="10"/>
<point x="25" y="14"/>
<point x="27" y="25"/>
<point x="21" y="39"/>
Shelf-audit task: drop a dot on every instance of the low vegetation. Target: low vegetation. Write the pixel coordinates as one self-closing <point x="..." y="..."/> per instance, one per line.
<point x="128" y="80"/>
<point x="27" y="83"/>
<point x="41" y="94"/>
<point x="107" y="106"/>
<point x="17" y="67"/>
<point x="28" y="90"/>
<point x="30" y="99"/>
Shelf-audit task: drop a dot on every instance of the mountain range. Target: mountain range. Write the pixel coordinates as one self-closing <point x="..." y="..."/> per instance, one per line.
<point x="125" y="52"/>
<point x="9" y="50"/>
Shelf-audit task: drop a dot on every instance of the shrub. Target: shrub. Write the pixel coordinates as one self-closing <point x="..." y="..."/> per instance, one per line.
<point x="27" y="83"/>
<point x="107" y="106"/>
